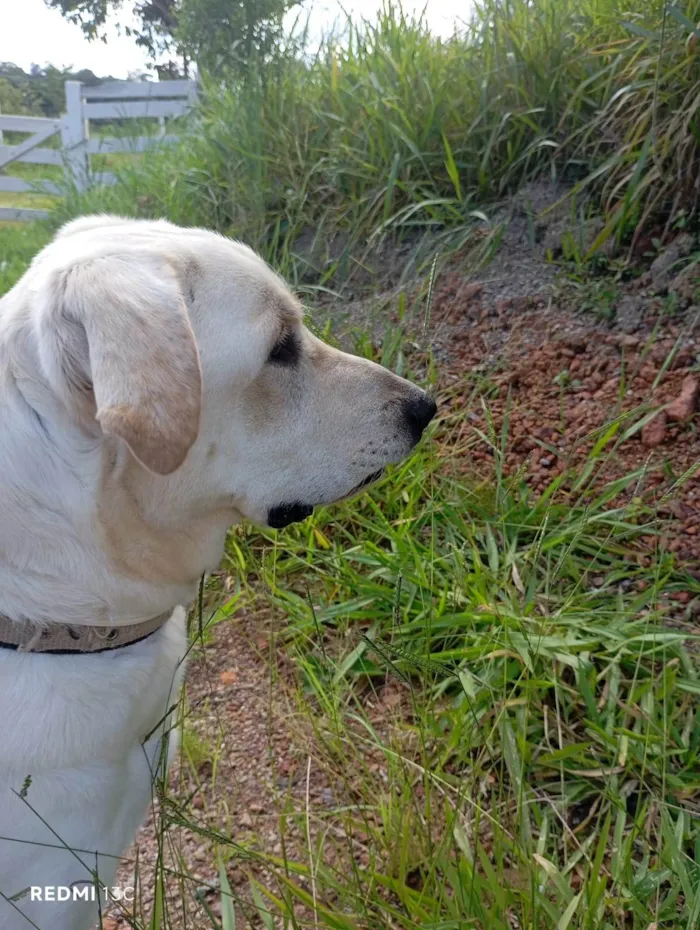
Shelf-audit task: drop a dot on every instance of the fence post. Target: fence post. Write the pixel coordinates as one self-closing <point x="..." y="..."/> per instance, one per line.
<point x="74" y="137"/>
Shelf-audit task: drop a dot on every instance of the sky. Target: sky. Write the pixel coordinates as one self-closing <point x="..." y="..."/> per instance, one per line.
<point x="31" y="33"/>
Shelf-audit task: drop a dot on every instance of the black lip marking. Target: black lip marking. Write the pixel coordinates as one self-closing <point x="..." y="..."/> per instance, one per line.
<point x="368" y="480"/>
<point x="283" y="514"/>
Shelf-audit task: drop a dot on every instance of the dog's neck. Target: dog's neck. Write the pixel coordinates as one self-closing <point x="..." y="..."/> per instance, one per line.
<point x="86" y="535"/>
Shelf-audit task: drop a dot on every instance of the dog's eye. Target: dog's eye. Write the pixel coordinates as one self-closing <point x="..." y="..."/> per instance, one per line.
<point x="286" y="352"/>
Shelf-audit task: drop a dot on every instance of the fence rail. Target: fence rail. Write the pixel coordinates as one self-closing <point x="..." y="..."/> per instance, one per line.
<point x="141" y="90"/>
<point x="113" y="100"/>
<point x="33" y="157"/>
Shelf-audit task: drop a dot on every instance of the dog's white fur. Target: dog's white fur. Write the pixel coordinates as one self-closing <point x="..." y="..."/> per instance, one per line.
<point x="141" y="417"/>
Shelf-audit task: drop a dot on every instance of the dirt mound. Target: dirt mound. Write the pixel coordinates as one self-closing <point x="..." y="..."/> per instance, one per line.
<point x="562" y="378"/>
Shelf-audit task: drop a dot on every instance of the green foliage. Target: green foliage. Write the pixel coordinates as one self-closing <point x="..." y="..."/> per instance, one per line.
<point x="348" y="141"/>
<point x="542" y="770"/>
<point x="39" y="91"/>
<point x="225" y="38"/>
<point x="11" y="98"/>
<point x="19" y="243"/>
<point x="158" y="19"/>
<point x="222" y="37"/>
<point x="389" y="131"/>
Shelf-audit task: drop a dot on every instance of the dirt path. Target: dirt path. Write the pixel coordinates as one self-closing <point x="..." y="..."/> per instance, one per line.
<point x="238" y="775"/>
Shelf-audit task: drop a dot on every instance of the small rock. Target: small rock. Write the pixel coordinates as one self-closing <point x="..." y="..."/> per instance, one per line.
<point x="628" y="341"/>
<point x="578" y="412"/>
<point x="287" y="782"/>
<point x="470" y="291"/>
<point x="246" y="820"/>
<point x="629" y="313"/>
<point x="681" y="410"/>
<point x="654" y="432"/>
<point x="659" y="353"/>
<point x="662" y="267"/>
<point x="684" y="359"/>
<point x="523" y="302"/>
<point x="686" y="283"/>
<point x="577" y="343"/>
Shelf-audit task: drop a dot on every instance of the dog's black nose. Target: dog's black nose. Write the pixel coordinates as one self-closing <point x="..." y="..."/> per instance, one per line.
<point x="419" y="412"/>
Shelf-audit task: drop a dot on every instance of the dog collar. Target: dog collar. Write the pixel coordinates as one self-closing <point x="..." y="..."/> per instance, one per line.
<point x="65" y="639"/>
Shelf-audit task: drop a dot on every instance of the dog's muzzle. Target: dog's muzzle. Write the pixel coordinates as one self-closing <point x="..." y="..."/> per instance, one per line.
<point x="416" y="414"/>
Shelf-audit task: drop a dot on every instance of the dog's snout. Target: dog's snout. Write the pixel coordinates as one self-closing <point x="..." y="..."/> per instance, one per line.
<point x="419" y="411"/>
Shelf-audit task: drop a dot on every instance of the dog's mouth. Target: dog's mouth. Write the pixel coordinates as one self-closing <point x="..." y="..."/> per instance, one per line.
<point x="370" y="479"/>
<point x="285" y="514"/>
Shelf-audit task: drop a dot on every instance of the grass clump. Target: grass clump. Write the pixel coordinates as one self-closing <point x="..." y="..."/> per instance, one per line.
<point x="19" y="243"/>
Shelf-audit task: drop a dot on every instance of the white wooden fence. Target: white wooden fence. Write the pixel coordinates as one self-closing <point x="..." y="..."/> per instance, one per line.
<point x="114" y="100"/>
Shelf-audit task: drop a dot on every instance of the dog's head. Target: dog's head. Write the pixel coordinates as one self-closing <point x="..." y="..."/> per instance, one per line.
<point x="185" y="352"/>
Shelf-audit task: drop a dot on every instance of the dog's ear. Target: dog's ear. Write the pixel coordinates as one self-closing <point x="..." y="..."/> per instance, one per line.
<point x="117" y="326"/>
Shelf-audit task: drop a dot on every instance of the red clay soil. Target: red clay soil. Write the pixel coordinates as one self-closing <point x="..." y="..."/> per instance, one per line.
<point x="563" y="376"/>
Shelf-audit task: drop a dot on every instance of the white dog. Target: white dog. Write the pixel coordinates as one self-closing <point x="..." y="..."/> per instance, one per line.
<point x="156" y="386"/>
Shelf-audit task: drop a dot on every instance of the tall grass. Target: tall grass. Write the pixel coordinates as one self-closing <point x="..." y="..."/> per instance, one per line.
<point x="540" y="769"/>
<point x="489" y="683"/>
<point x="389" y="130"/>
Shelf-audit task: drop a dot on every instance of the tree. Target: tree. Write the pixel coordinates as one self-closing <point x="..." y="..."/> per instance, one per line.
<point x="11" y="100"/>
<point x="39" y="92"/>
<point x="157" y="22"/>
<point x="224" y="36"/>
<point x="219" y="35"/>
